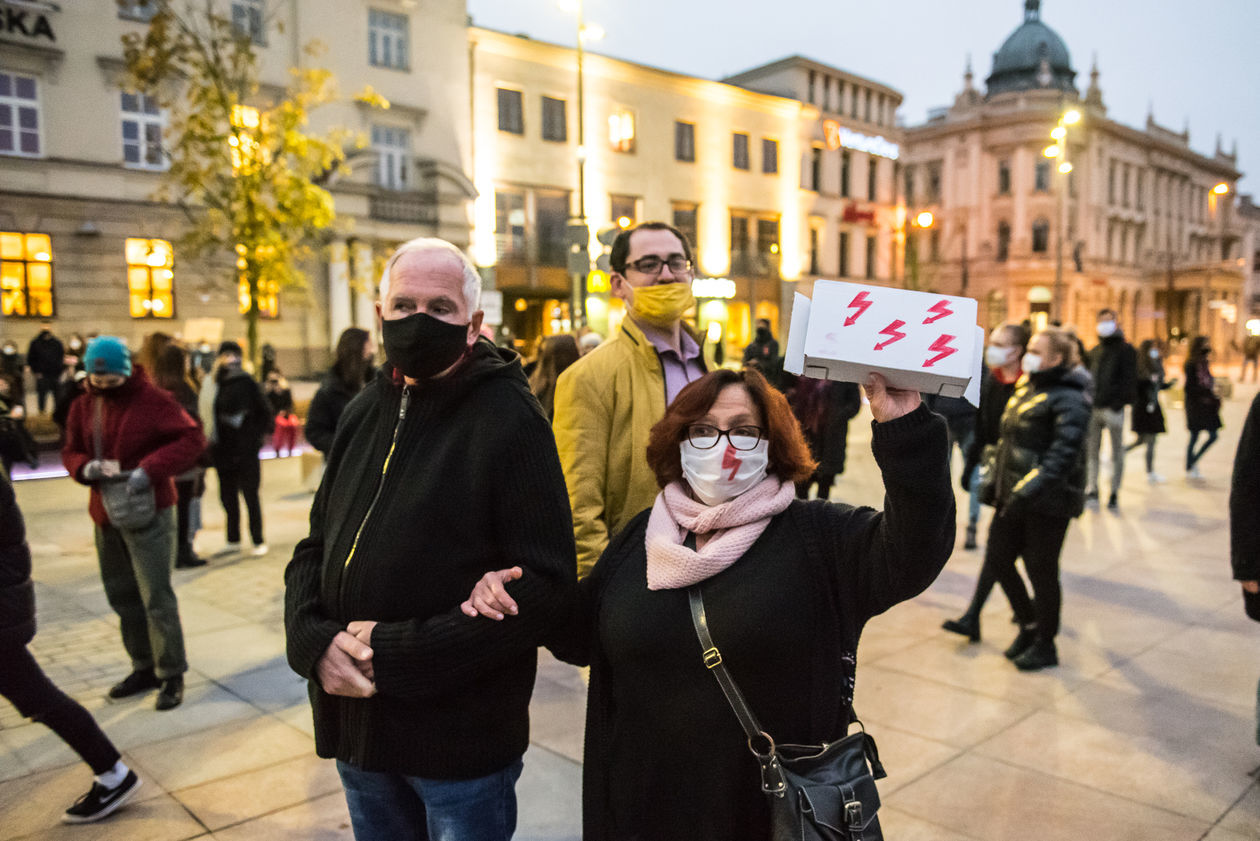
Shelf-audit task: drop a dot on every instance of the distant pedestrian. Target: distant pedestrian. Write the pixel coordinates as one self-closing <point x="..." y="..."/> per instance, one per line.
<point x="280" y="399"/>
<point x="1244" y="536"/>
<point x="11" y="365"/>
<point x="16" y="443"/>
<point x="555" y="355"/>
<point x="1036" y="480"/>
<point x="1113" y="365"/>
<point x="961" y="418"/>
<point x="128" y="430"/>
<point x="1203" y="407"/>
<point x="75" y="347"/>
<point x="1251" y="356"/>
<point x="44" y="358"/>
<point x="351" y="371"/>
<point x="763" y="353"/>
<point x="24" y="684"/>
<point x="589" y="341"/>
<point x="242" y="419"/>
<point x="1004" y="359"/>
<point x="1148" y="417"/>
<point x="824" y="408"/>
<point x="173" y="376"/>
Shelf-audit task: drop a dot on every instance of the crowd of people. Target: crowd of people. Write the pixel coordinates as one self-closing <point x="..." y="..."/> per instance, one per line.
<point x="475" y="506"/>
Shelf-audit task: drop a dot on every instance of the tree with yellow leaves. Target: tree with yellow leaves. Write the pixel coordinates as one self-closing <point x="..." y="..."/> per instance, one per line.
<point x="243" y="165"/>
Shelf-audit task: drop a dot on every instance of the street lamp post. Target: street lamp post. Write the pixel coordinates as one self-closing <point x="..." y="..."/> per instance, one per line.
<point x="1059" y="152"/>
<point x="585" y="31"/>
<point x="1215" y="198"/>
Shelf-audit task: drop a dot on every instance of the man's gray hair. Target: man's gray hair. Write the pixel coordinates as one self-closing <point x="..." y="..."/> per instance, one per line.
<point x="472" y="279"/>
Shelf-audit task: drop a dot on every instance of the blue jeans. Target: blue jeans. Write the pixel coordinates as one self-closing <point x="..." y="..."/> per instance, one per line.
<point x="396" y="807"/>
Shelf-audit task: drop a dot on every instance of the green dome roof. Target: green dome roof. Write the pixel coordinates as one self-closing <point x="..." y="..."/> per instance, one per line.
<point x="1018" y="65"/>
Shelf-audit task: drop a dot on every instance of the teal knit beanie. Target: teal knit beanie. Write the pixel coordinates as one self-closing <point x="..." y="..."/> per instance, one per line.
<point x="107" y="355"/>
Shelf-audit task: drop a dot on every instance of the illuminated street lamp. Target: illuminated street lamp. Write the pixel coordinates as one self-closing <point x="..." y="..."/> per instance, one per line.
<point x="1221" y="189"/>
<point x="1059" y="151"/>
<point x="925" y="219"/>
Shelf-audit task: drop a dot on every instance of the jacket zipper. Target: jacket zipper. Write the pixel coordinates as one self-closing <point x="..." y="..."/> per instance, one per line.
<point x="402" y="413"/>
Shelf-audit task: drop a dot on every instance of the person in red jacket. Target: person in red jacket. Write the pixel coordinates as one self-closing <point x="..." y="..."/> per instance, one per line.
<point x="146" y="439"/>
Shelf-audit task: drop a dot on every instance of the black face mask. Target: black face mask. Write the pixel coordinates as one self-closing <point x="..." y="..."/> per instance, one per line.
<point x="421" y="346"/>
<point x="763" y="333"/>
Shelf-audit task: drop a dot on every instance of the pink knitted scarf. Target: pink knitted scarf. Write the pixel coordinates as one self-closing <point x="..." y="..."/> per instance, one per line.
<point x="734" y="526"/>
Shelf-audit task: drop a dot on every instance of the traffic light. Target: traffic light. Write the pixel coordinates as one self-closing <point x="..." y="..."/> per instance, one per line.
<point x="579" y="258"/>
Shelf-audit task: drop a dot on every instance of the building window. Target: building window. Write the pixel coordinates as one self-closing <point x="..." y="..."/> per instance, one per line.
<point x="621" y="131"/>
<point x="684" y="141"/>
<point x="740" y="244"/>
<point x="872" y="175"/>
<point x="1141" y="190"/>
<point x="551" y="217"/>
<point x="1111" y="183"/>
<point x="813" y="251"/>
<point x="1124" y="187"/>
<point x="150" y="277"/>
<point x="768" y="246"/>
<point x="1004" y="178"/>
<point x="1041" y="177"/>
<point x="26" y="276"/>
<point x="813" y="76"/>
<point x="1003" y="241"/>
<point x="870" y="257"/>
<point x="393" y="156"/>
<point x="855" y="96"/>
<point x="846" y="161"/>
<point x="685" y="221"/>
<point x="247" y="19"/>
<point x="142" y="124"/>
<point x="511" y="111"/>
<point x="622" y="210"/>
<point x="387" y="39"/>
<point x="769" y="156"/>
<point x="1041" y="236"/>
<point x="934" y="245"/>
<point x="934" y="183"/>
<point x="739" y="150"/>
<point x="910" y="185"/>
<point x="555" y="124"/>
<point x="19" y="116"/>
<point x="815" y="168"/>
<point x="843" y="269"/>
<point x="268" y="297"/>
<point x="509" y="226"/>
<point x="141" y="10"/>
<point x="867" y="116"/>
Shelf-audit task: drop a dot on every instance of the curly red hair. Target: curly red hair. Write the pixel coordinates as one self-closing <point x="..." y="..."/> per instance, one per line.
<point x="789" y="455"/>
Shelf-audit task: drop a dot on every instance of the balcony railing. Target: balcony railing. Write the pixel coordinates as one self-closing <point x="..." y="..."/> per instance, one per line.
<point x="410" y="207"/>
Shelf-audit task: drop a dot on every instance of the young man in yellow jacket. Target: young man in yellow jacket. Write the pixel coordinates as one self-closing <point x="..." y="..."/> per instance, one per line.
<point x="608" y="400"/>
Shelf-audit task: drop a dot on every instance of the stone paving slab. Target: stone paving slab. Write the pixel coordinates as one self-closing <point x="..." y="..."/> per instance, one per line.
<point x="1145" y="731"/>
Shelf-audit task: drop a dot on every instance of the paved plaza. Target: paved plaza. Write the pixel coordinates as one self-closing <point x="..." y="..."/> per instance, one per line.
<point x="1145" y="732"/>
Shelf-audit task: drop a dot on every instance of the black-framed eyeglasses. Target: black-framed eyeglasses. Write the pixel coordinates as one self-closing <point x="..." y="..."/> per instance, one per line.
<point x="705" y="437"/>
<point x="652" y="265"/>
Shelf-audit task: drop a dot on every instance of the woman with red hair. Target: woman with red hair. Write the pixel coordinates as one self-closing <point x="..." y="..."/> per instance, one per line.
<point x="787" y="586"/>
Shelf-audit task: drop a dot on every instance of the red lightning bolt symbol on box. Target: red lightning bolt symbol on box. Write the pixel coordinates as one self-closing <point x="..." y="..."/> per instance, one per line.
<point x="894" y="332"/>
<point x="943" y="349"/>
<point x="861" y="302"/>
<point x="731" y="461"/>
<point x="941" y="308"/>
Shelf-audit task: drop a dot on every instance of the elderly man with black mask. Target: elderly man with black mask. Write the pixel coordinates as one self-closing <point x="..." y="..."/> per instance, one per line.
<point x="442" y="468"/>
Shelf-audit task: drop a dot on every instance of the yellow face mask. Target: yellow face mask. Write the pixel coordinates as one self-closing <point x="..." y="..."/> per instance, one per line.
<point x="662" y="304"/>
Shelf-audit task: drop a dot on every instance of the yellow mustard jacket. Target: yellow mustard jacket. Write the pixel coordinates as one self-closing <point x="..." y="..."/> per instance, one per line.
<point x="606" y="403"/>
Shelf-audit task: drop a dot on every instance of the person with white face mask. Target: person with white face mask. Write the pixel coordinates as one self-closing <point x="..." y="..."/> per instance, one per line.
<point x="1113" y="365"/>
<point x="1148" y="417"/>
<point x="787" y="585"/>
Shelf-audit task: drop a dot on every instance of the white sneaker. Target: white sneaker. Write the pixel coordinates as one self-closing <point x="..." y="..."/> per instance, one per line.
<point x="1193" y="473"/>
<point x="1155" y="478"/>
<point x="228" y="549"/>
<point x="259" y="550"/>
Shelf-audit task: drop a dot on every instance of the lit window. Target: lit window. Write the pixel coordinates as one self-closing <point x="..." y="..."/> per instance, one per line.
<point x="247" y="19"/>
<point x="268" y="297"/>
<point x="150" y="277"/>
<point x="387" y="39"/>
<point x="19" y="116"/>
<point x="26" y="274"/>
<point x="621" y="130"/>
<point x="142" y="124"/>
<point x="393" y="152"/>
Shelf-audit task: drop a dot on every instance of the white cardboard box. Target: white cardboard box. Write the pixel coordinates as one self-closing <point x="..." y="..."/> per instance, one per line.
<point x="917" y="340"/>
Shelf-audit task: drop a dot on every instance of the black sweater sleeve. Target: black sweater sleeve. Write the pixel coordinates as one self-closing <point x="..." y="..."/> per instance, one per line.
<point x="321" y="420"/>
<point x="1244" y="500"/>
<point x="308" y="630"/>
<point x="885" y="557"/>
<point x="535" y="530"/>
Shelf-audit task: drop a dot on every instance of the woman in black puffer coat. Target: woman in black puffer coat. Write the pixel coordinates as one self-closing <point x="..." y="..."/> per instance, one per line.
<point x="1036" y="481"/>
<point x="26" y="686"/>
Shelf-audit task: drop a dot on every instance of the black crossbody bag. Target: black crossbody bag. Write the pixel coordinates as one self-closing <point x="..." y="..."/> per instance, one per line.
<point x="816" y="792"/>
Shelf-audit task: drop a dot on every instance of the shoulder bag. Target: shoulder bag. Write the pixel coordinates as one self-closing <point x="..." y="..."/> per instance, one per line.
<point x="126" y="508"/>
<point x="816" y="792"/>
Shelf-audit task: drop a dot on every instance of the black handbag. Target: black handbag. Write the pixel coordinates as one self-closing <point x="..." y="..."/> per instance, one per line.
<point x="816" y="792"/>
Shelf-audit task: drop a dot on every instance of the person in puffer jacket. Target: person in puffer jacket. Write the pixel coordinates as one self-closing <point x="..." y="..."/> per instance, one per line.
<point x="1036" y="482"/>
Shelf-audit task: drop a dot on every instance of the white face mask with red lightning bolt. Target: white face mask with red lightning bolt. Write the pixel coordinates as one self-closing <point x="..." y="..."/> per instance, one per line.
<point x="722" y="473"/>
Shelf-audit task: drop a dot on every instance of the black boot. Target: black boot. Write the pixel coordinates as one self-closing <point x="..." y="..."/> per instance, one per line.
<point x="1039" y="655"/>
<point x="138" y="681"/>
<point x="965" y="625"/>
<point x="970" y="543"/>
<point x="172" y="694"/>
<point x="1023" y="641"/>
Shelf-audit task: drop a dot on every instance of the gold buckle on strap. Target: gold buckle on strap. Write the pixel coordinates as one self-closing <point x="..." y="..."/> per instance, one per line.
<point x="712" y="658"/>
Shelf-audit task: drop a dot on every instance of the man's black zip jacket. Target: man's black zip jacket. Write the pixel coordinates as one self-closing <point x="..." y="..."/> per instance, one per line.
<point x="472" y="484"/>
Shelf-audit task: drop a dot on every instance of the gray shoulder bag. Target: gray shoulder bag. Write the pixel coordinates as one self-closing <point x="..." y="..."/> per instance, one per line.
<point x="126" y="508"/>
